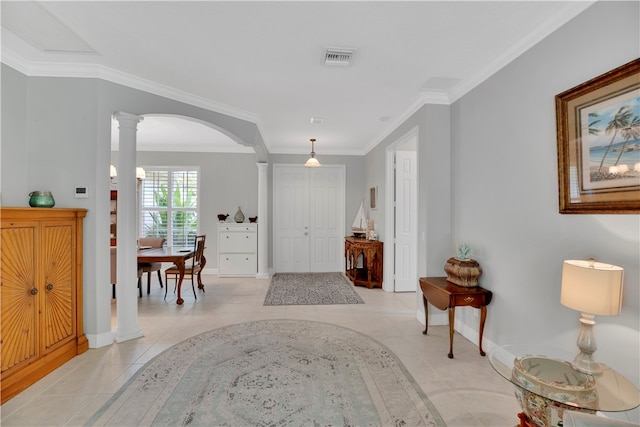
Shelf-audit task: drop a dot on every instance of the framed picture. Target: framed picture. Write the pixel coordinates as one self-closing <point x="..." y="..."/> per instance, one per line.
<point x="598" y="137"/>
<point x="373" y="197"/>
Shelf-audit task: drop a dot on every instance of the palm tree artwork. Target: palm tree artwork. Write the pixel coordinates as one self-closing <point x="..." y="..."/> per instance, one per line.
<point x="631" y="131"/>
<point x="612" y="131"/>
<point x="620" y="121"/>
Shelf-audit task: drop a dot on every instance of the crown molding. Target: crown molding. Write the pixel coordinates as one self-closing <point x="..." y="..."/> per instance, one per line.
<point x="50" y="69"/>
<point x="43" y="69"/>
<point x="319" y="154"/>
<point x="568" y="12"/>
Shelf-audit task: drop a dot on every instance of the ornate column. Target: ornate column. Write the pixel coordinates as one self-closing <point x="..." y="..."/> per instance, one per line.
<point x="263" y="220"/>
<point x="126" y="288"/>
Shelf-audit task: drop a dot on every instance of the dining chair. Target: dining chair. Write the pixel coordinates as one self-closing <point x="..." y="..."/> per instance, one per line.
<point x="114" y="273"/>
<point x="193" y="270"/>
<point x="149" y="267"/>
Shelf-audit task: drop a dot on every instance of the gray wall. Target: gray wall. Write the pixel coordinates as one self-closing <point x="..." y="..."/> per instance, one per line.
<point x="227" y="181"/>
<point x="504" y="192"/>
<point x="56" y="135"/>
<point x="434" y="181"/>
<point x="231" y="180"/>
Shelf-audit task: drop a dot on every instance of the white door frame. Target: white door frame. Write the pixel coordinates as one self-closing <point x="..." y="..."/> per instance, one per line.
<point x="388" y="284"/>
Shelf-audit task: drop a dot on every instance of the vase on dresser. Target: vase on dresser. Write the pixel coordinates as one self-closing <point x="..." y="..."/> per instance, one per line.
<point x="239" y="216"/>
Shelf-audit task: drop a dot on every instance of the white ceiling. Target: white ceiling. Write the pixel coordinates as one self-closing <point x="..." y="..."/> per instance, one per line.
<point x="263" y="61"/>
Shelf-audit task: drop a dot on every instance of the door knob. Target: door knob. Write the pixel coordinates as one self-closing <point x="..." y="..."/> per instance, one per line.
<point x="34" y="291"/>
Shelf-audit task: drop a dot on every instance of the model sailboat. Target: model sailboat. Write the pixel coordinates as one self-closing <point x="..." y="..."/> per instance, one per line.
<point x="359" y="227"/>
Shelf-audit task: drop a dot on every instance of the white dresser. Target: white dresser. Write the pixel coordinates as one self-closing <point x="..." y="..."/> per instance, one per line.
<point x="237" y="249"/>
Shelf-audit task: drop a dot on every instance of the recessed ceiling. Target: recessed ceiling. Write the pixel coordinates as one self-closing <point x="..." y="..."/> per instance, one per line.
<point x="263" y="60"/>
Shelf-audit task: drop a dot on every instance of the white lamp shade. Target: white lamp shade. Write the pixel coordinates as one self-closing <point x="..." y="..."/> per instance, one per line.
<point x="312" y="163"/>
<point x="592" y="287"/>
<point x="140" y="173"/>
<point x="113" y="172"/>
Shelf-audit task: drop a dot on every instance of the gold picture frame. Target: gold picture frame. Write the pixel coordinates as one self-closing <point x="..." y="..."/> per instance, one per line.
<point x="598" y="138"/>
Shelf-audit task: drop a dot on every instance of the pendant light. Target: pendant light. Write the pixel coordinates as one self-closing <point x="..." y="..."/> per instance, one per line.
<point x="312" y="162"/>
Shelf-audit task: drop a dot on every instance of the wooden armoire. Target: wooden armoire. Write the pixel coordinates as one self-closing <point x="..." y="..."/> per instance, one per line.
<point x="40" y="293"/>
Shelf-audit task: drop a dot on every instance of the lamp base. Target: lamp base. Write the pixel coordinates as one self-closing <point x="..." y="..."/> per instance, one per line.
<point x="584" y="363"/>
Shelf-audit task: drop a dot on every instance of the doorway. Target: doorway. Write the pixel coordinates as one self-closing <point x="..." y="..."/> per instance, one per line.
<point x="401" y="216"/>
<point x="308" y="218"/>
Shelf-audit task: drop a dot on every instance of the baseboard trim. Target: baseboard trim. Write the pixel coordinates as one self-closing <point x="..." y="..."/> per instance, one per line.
<point x="100" y="340"/>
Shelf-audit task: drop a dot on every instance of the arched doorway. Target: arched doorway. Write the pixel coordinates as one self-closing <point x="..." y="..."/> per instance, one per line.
<point x="164" y="135"/>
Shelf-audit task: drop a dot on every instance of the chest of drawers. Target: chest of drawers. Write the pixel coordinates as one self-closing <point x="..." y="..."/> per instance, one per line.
<point x="237" y="249"/>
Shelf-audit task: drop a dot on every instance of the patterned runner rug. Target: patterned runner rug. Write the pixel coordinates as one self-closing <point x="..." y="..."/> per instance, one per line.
<point x="272" y="373"/>
<point x="311" y="289"/>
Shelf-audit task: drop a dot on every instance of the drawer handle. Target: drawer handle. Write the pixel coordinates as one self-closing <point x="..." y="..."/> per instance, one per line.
<point x="468" y="299"/>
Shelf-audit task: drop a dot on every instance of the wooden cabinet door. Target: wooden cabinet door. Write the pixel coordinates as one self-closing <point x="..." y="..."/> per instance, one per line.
<point x="57" y="287"/>
<point x="18" y="332"/>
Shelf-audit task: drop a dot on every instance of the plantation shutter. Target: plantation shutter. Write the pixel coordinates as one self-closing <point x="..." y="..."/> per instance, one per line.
<point x="184" y="202"/>
<point x="169" y="205"/>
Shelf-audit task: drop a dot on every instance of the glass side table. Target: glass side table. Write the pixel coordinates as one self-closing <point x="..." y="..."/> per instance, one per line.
<point x="546" y="385"/>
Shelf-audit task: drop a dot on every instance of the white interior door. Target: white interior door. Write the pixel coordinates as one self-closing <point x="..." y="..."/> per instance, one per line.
<point x="291" y="219"/>
<point x="308" y="212"/>
<point x="406" y="224"/>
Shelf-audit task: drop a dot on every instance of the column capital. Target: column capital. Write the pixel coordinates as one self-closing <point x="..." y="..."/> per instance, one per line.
<point x="127" y="119"/>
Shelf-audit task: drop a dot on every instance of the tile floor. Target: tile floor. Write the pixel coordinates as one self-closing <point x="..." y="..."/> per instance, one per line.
<point x="465" y="390"/>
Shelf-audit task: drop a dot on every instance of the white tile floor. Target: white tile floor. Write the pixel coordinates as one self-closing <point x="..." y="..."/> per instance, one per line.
<point x="465" y="390"/>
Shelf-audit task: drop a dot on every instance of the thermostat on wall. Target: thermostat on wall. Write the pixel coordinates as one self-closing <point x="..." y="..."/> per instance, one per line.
<point x="82" y="193"/>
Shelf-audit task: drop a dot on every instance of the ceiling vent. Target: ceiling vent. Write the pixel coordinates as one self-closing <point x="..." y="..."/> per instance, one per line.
<point x="338" y="57"/>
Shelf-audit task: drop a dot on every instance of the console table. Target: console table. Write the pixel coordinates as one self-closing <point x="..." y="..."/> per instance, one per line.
<point x="370" y="273"/>
<point x="446" y="295"/>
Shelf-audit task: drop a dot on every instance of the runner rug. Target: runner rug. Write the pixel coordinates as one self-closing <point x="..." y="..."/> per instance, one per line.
<point x="272" y="373"/>
<point x="311" y="289"/>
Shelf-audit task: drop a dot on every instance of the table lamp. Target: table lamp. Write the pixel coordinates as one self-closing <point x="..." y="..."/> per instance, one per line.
<point x="592" y="288"/>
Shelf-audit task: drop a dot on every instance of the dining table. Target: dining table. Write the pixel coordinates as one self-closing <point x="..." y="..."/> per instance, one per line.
<point x="176" y="255"/>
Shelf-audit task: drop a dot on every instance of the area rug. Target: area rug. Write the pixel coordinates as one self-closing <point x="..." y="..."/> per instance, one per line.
<point x="272" y="373"/>
<point x="311" y="289"/>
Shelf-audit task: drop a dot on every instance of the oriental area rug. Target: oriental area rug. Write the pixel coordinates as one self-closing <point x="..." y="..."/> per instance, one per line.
<point x="272" y="373"/>
<point x="311" y="289"/>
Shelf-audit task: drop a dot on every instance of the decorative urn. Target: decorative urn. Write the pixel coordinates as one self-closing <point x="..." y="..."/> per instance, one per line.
<point x="41" y="199"/>
<point x="462" y="270"/>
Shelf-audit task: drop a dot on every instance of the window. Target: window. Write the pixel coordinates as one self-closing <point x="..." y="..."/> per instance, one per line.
<point x="169" y="204"/>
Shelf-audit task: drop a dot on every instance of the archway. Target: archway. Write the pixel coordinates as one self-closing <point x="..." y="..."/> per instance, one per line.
<point x="168" y="132"/>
